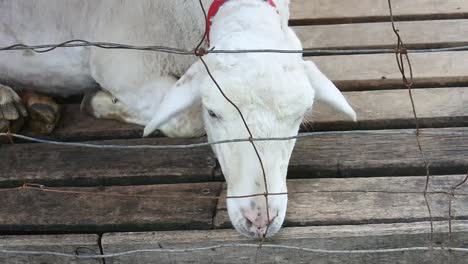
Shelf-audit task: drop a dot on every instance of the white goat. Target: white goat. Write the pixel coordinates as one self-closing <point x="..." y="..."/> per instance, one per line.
<point x="273" y="91"/>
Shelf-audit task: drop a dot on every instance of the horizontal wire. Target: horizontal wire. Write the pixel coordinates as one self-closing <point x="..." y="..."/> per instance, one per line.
<point x="161" y="250"/>
<point x="206" y="144"/>
<point x="308" y="52"/>
<point x="322" y="52"/>
<point x="104" y="45"/>
<point x="43" y="188"/>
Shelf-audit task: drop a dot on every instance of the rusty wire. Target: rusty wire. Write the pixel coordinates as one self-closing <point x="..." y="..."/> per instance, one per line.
<point x="66" y="190"/>
<point x="200" y="54"/>
<point x="211" y="248"/>
<point x="10" y="135"/>
<point x="401" y="55"/>
<point x="251" y="136"/>
<point x="43" y="48"/>
<point x="451" y="197"/>
<point x="273" y="246"/>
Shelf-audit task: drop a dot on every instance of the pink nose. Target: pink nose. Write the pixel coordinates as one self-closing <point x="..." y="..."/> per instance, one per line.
<point x="258" y="222"/>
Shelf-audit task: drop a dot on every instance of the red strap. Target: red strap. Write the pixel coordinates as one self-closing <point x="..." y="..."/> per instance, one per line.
<point x="214" y="8"/>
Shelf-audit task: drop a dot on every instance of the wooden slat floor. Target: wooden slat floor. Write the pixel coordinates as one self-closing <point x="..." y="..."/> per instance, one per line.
<point x="358" y="186"/>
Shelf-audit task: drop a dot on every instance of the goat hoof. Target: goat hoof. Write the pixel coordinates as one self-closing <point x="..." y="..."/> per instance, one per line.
<point x="12" y="111"/>
<point x="44" y="113"/>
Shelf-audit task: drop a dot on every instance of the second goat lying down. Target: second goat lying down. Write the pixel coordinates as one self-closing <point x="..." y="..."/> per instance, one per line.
<point x="273" y="91"/>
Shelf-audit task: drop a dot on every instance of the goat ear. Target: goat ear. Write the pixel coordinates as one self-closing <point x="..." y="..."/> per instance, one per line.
<point x="181" y="96"/>
<point x="326" y="91"/>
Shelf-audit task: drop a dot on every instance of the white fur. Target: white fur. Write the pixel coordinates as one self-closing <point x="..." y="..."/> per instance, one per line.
<point x="273" y="91"/>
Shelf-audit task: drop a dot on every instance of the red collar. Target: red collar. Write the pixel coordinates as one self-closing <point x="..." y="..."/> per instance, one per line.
<point x="214" y="8"/>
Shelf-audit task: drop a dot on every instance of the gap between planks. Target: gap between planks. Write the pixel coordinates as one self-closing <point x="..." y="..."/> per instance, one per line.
<point x="312" y="12"/>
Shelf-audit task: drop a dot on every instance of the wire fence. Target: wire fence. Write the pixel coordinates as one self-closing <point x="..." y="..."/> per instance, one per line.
<point x="405" y="68"/>
<point x="201" y="52"/>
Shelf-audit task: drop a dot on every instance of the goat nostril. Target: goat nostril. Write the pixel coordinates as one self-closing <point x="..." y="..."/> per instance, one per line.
<point x="248" y="223"/>
<point x="258" y="219"/>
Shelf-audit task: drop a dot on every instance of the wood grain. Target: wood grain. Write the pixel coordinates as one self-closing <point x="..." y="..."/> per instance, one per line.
<point x="69" y="244"/>
<point x="344" y="201"/>
<point x="437" y="107"/>
<point x="349" y="11"/>
<point x="385" y="109"/>
<point x="134" y="208"/>
<point x="70" y="166"/>
<point x="391" y="154"/>
<point x="76" y="125"/>
<point x="380" y="71"/>
<point x="415" y="34"/>
<point x="342" y="237"/>
<point x="335" y="154"/>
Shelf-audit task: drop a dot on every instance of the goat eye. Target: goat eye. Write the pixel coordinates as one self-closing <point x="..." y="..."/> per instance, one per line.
<point x="212" y="114"/>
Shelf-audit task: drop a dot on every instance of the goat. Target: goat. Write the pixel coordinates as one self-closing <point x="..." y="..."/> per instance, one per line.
<point x="174" y="94"/>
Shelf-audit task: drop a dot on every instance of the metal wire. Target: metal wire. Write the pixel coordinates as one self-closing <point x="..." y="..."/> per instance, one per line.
<point x="451" y="197"/>
<point x="45" y="189"/>
<point x="165" y="250"/>
<point x="207" y="144"/>
<point x="43" y="48"/>
<point x="257" y="153"/>
<point x="401" y="55"/>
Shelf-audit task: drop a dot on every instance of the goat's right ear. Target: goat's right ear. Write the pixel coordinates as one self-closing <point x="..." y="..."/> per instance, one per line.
<point x="181" y="96"/>
<point x="326" y="91"/>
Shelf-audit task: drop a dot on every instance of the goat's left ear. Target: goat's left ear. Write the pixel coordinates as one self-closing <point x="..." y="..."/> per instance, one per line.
<point x="326" y="91"/>
<point x="181" y="96"/>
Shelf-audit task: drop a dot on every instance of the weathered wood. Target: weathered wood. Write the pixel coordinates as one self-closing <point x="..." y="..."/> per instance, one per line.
<point x="68" y="244"/>
<point x="384" y="153"/>
<point x="382" y="236"/>
<point x="349" y="11"/>
<point x="416" y="34"/>
<point x="76" y="125"/>
<point x="388" y="109"/>
<point x="135" y="208"/>
<point x="71" y="166"/>
<point x="361" y="201"/>
<point x="442" y="107"/>
<point x="334" y="154"/>
<point x="380" y="71"/>
<point x="172" y="207"/>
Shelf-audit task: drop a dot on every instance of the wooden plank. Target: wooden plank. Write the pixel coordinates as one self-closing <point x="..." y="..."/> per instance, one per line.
<point x="365" y="237"/>
<point x="374" y="72"/>
<point x="76" y="125"/>
<point x="68" y="244"/>
<point x="334" y="154"/>
<point x="390" y="109"/>
<point x="351" y="11"/>
<point x="384" y="153"/>
<point x="380" y="71"/>
<point x="361" y="201"/>
<point x="71" y="166"/>
<point x="416" y="34"/>
<point x="135" y="208"/>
